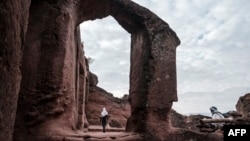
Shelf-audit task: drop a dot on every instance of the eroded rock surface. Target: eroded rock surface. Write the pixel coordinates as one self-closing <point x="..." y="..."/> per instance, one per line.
<point x="243" y="106"/>
<point x="56" y="81"/>
<point x="54" y="73"/>
<point x="119" y="109"/>
<point x="13" y="24"/>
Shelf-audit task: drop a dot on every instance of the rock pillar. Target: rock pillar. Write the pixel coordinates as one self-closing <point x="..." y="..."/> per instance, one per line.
<point x="153" y="86"/>
<point x="13" y="24"/>
<point x="52" y="94"/>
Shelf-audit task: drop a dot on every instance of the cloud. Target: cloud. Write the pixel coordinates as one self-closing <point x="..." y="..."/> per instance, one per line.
<point x="200" y="102"/>
<point x="109" y="45"/>
<point x="212" y="60"/>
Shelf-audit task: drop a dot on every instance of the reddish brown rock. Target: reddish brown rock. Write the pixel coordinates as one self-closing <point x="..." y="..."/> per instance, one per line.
<point x="55" y="77"/>
<point x="186" y="122"/>
<point x="13" y="24"/>
<point x="52" y="95"/>
<point x="118" y="109"/>
<point x="93" y="79"/>
<point x="153" y="66"/>
<point x="188" y="126"/>
<point x="243" y="106"/>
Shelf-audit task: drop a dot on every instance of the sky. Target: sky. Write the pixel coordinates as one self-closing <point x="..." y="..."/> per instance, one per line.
<point x="213" y="59"/>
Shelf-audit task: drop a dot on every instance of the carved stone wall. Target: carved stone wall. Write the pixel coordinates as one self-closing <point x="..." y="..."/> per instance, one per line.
<point x="54" y="82"/>
<point x="13" y="25"/>
<point x="52" y="95"/>
<point x="153" y="69"/>
<point x="153" y="64"/>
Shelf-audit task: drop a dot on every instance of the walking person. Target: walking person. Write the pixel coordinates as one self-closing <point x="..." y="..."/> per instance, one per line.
<point x="104" y="119"/>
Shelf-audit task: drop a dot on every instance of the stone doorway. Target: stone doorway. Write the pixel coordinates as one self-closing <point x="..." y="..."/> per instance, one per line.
<point x="48" y="99"/>
<point x="112" y="43"/>
<point x="153" y="67"/>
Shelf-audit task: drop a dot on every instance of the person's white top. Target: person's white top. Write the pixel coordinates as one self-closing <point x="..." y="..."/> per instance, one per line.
<point x="217" y="115"/>
<point x="104" y="112"/>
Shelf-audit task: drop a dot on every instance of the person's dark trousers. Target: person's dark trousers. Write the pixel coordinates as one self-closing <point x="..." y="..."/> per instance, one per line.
<point x="103" y="128"/>
<point x="104" y="122"/>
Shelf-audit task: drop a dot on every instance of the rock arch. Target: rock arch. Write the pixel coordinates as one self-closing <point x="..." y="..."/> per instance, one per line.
<point x="153" y="69"/>
<point x="54" y="60"/>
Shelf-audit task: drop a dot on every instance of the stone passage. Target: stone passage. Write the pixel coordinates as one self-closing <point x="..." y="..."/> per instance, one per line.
<point x="153" y="64"/>
<point x="55" y="75"/>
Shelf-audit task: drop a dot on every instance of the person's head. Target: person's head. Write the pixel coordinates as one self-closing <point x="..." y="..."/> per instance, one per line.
<point x="213" y="109"/>
<point x="104" y="109"/>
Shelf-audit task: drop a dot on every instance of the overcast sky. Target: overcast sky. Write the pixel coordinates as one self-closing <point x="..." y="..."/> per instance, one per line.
<point x="213" y="67"/>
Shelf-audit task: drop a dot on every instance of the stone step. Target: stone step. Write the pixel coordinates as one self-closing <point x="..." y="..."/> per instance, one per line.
<point x="96" y="128"/>
<point x="113" y="136"/>
<point x="94" y="136"/>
